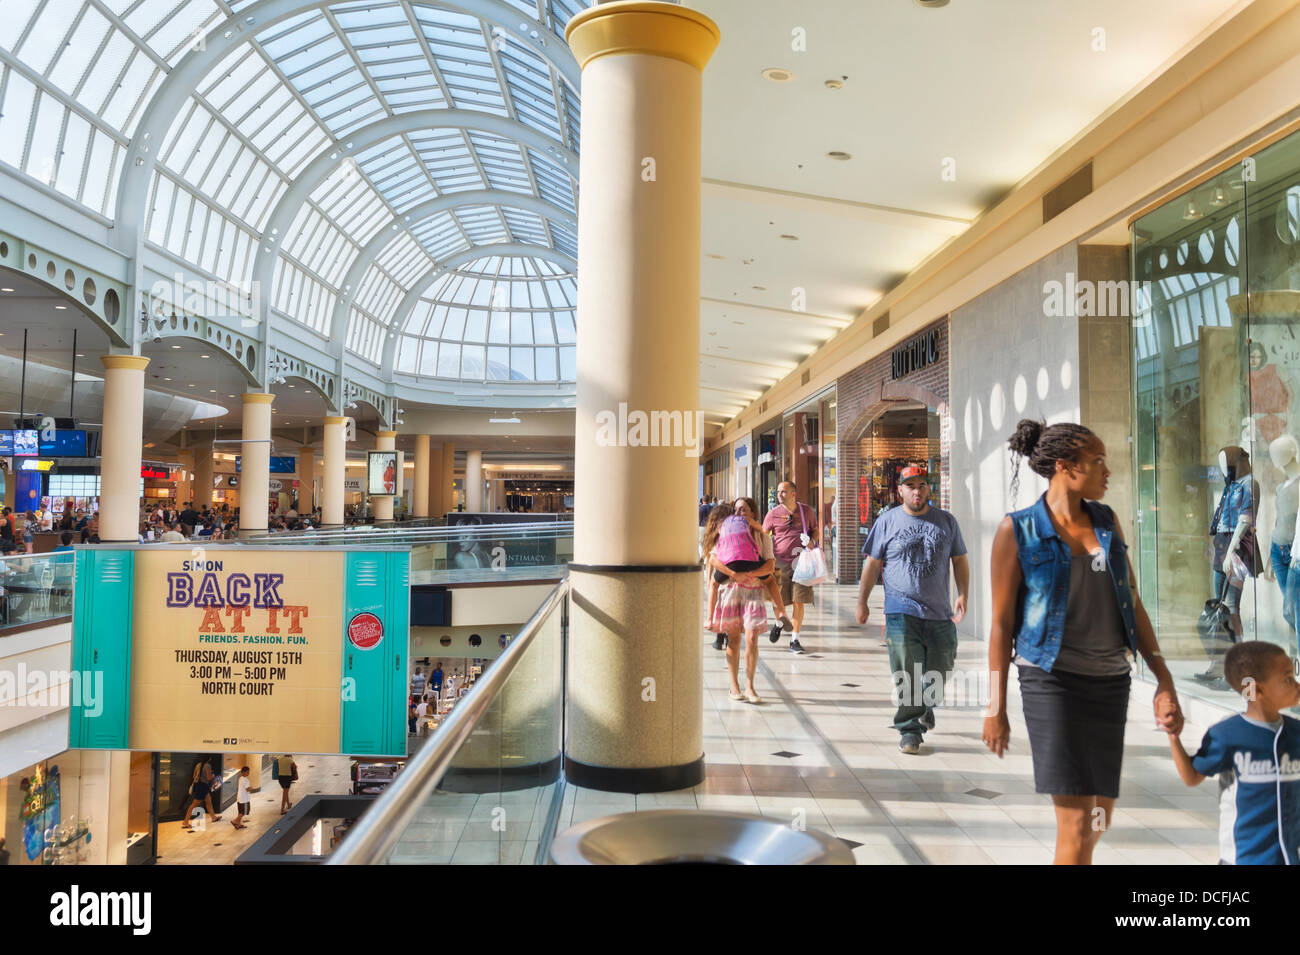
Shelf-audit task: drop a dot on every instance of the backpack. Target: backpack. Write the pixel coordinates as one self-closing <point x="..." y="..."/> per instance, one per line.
<point x="736" y="541"/>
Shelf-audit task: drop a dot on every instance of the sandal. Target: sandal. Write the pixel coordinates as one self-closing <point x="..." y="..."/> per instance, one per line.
<point x="752" y="697"/>
<point x="736" y="697"/>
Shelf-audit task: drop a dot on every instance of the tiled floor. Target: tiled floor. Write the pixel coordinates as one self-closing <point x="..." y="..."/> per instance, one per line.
<point x="850" y="780"/>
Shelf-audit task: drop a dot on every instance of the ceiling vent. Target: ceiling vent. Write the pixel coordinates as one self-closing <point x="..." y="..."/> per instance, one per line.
<point x="1067" y="192"/>
<point x="880" y="325"/>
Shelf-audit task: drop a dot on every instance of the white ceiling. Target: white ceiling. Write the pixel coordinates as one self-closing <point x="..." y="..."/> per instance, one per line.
<point x="997" y="86"/>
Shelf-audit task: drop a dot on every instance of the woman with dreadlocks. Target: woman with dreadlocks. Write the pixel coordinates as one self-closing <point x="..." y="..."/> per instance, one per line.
<point x="1065" y="603"/>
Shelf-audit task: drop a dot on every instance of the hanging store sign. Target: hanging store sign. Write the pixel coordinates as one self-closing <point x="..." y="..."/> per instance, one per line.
<point x="382" y="468"/>
<point x="253" y="651"/>
<point x="921" y="352"/>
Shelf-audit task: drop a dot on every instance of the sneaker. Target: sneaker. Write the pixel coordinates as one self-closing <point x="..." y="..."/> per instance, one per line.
<point x="910" y="743"/>
<point x="785" y="623"/>
<point x="775" y="633"/>
<point x="1209" y="676"/>
<point x="795" y="646"/>
<point x="720" y="643"/>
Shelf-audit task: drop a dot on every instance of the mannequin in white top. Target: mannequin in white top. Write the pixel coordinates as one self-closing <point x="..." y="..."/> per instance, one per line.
<point x="1243" y="522"/>
<point x="1284" y="554"/>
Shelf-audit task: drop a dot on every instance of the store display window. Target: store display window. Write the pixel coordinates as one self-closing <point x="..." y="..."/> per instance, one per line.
<point x="1216" y="362"/>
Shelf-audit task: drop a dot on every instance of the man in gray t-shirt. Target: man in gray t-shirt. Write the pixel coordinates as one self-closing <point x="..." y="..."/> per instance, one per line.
<point x="914" y="545"/>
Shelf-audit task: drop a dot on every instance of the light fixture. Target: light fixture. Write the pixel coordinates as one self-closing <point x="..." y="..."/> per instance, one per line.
<point x="836" y="84"/>
<point x="932" y="4"/>
<point x="839" y="154"/>
<point x="6" y="290"/>
<point x="778" y="74"/>
<point x="1190" y="212"/>
<point x="503" y="421"/>
<point x="1219" y="197"/>
<point x="61" y="307"/>
<point x="789" y="237"/>
<point x="176" y="346"/>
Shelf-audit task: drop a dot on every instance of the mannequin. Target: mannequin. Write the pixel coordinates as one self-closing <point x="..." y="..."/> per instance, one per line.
<point x="1233" y="517"/>
<point x="1284" y="554"/>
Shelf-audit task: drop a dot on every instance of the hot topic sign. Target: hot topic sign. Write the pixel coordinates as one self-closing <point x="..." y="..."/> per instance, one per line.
<point x="242" y="650"/>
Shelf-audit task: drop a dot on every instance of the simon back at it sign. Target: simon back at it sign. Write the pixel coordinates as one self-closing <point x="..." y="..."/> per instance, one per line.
<point x="245" y="650"/>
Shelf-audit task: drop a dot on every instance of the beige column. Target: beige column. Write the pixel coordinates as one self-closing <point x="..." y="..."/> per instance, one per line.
<point x="255" y="464"/>
<point x="204" y="473"/>
<point x="185" y="478"/>
<point x="331" y="479"/>
<point x="473" y="480"/>
<point x="448" y="476"/>
<point x="119" y="488"/>
<point x="420" y="490"/>
<point x="636" y="701"/>
<point x="437" y="499"/>
<point x="383" y="503"/>
<point x="306" y="479"/>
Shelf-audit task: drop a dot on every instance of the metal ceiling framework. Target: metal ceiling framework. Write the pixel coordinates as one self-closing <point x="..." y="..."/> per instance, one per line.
<point x="339" y="157"/>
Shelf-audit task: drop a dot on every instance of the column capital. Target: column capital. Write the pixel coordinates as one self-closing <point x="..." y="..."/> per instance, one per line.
<point x="129" y="362"/>
<point x="335" y="419"/>
<point x="391" y="435"/>
<point x="256" y="398"/>
<point x="646" y="27"/>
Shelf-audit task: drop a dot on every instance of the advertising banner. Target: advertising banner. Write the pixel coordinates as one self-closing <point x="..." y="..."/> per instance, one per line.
<point x="241" y="650"/>
<point x="381" y="472"/>
<point x="477" y="547"/>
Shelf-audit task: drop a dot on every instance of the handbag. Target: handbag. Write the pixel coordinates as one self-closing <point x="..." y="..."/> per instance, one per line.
<point x="1213" y="626"/>
<point x="810" y="565"/>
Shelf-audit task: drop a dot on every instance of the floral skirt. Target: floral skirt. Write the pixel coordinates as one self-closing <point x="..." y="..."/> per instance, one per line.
<point x="738" y="607"/>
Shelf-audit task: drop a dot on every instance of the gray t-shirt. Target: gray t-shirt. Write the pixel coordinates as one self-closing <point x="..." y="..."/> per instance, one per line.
<point x="917" y="550"/>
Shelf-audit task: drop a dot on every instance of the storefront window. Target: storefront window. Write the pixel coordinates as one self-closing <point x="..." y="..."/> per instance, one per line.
<point x="902" y="436"/>
<point x="1217" y="371"/>
<point x="827" y="510"/>
<point x="46" y="819"/>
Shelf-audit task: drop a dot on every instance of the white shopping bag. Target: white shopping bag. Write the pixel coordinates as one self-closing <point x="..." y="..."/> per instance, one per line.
<point x="810" y="568"/>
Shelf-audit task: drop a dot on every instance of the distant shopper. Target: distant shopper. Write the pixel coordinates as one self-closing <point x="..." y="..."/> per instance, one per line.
<point x="174" y="535"/>
<point x="4" y="853"/>
<point x="747" y="508"/>
<point x="705" y="507"/>
<point x="30" y="527"/>
<point x="1259" y="803"/>
<point x="915" y="544"/>
<point x="65" y="542"/>
<point x="243" y="798"/>
<point x="435" y="681"/>
<point x="7" y="543"/>
<point x="1064" y="596"/>
<point x="715" y="577"/>
<point x="793" y="527"/>
<point x="189" y="518"/>
<point x="740" y="606"/>
<point x="286" y="774"/>
<point x="421" y="714"/>
<point x="200" y="792"/>
<point x="418" y="680"/>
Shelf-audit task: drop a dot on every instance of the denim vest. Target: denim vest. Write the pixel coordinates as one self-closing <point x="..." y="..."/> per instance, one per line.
<point x="1045" y="585"/>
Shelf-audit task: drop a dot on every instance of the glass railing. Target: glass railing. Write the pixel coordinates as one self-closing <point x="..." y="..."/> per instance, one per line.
<point x="486" y="787"/>
<point x="34" y="588"/>
<point x="457" y="554"/>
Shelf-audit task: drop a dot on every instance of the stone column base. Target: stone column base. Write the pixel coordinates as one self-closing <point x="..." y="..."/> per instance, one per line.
<point x="636" y="697"/>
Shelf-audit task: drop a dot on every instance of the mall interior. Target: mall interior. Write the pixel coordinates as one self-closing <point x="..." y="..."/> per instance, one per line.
<point x="410" y="338"/>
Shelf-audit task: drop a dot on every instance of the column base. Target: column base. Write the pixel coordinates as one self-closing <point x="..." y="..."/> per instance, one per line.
<point x="649" y="779"/>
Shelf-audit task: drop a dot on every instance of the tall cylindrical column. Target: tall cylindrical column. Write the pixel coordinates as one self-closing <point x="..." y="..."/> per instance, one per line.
<point x="332" y="470"/>
<point x="636" y="701"/>
<point x="255" y="464"/>
<point x="204" y="478"/>
<point x="420" y="491"/>
<point x="437" y="499"/>
<point x="383" y="503"/>
<point x="448" y="476"/>
<point x="185" y="477"/>
<point x="119" y="483"/>
<point x="306" y="479"/>
<point x="473" y="480"/>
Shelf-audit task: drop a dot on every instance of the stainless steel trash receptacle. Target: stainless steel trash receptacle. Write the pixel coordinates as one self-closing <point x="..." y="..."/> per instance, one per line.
<point x="689" y="836"/>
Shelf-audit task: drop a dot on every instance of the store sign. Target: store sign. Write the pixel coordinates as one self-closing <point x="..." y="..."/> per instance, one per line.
<point x="245" y="651"/>
<point x="352" y="484"/>
<point x="231" y="481"/>
<point x="35" y="464"/>
<point x="921" y="352"/>
<point x="155" y="474"/>
<point x="276" y="485"/>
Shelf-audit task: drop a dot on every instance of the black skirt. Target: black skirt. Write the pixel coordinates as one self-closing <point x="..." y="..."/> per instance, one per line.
<point x="1076" y="730"/>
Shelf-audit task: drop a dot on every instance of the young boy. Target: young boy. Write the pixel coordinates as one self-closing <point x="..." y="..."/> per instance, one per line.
<point x="243" y="798"/>
<point x="1259" y="802"/>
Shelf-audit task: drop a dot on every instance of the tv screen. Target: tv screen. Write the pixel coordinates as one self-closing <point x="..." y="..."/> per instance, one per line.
<point x="26" y="443"/>
<point x="279" y="465"/>
<point x="430" y="606"/>
<point x="65" y="444"/>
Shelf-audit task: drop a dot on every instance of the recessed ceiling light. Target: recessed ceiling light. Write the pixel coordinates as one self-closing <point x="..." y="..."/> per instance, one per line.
<point x="61" y="308"/>
<point x="212" y="391"/>
<point x="205" y="356"/>
<point x="778" y="74"/>
<point x="714" y="255"/>
<point x="835" y="84"/>
<point x="792" y="238"/>
<point x="932" y="4"/>
<point x="79" y="355"/>
<point x="839" y="154"/>
<point x="176" y="346"/>
<point x="191" y="385"/>
<point x="6" y="290"/>
<point x="759" y="288"/>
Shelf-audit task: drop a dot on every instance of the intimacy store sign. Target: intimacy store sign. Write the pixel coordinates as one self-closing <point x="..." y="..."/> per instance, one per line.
<point x="242" y="650"/>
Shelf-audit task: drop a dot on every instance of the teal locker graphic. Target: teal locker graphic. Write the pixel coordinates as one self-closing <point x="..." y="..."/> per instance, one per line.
<point x="373" y="718"/>
<point x="101" y="644"/>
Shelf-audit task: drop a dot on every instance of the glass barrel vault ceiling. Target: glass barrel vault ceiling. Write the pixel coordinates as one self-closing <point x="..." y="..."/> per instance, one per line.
<point x="76" y="76"/>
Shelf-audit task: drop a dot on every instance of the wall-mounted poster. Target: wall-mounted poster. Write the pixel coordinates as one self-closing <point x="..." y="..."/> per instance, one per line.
<point x="255" y="650"/>
<point x="381" y="472"/>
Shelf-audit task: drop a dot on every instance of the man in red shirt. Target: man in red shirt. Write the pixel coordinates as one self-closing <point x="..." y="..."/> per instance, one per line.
<point x="793" y="527"/>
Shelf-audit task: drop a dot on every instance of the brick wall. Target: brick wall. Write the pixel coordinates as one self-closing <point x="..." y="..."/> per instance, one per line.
<point x="862" y="396"/>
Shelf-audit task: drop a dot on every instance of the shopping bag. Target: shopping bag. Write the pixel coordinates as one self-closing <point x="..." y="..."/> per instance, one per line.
<point x="810" y="568"/>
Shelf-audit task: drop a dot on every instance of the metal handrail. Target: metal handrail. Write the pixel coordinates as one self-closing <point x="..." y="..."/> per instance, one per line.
<point x="379" y="828"/>
<point x="418" y="534"/>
